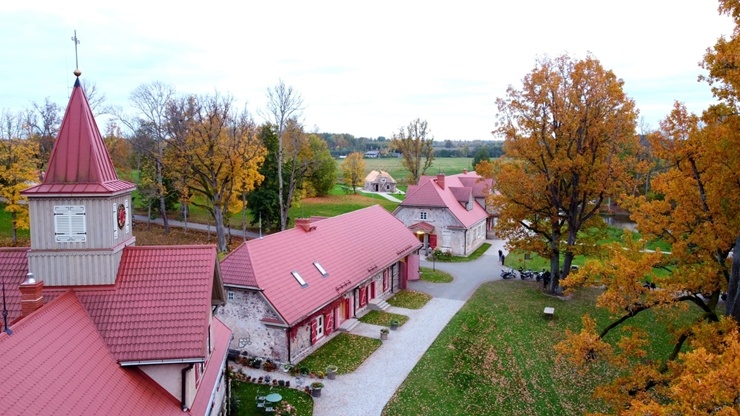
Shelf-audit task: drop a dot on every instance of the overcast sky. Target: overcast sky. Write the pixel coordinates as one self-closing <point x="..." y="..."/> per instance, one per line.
<point x="364" y="68"/>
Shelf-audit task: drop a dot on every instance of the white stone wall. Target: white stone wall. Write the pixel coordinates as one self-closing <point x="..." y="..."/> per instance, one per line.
<point x="244" y="316"/>
<point x="245" y="312"/>
<point x="458" y="242"/>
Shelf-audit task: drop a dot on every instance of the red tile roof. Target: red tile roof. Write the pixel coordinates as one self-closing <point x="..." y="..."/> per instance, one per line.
<point x="13" y="271"/>
<point x="55" y="362"/>
<point x="428" y="194"/>
<point x="158" y="309"/>
<point x="161" y="303"/>
<point x="213" y="370"/>
<point x="481" y="187"/>
<point x="422" y="226"/>
<point x="350" y="247"/>
<point x="79" y="163"/>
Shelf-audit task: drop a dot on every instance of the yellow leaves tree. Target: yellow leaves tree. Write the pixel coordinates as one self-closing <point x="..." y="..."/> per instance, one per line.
<point x="17" y="172"/>
<point x="217" y="149"/>
<point x="569" y="145"/>
<point x="415" y="143"/>
<point x="353" y="170"/>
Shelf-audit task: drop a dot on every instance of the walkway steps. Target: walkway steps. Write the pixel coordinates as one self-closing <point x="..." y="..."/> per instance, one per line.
<point x="378" y="305"/>
<point x="348" y="325"/>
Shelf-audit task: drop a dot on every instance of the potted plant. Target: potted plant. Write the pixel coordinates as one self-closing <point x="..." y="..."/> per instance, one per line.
<point x="331" y="371"/>
<point x="384" y="333"/>
<point x="394" y="324"/>
<point x="287" y="367"/>
<point x="316" y="387"/>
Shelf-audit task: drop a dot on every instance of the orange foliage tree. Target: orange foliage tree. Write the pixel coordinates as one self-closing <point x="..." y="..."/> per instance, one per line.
<point x="217" y="149"/>
<point x="697" y="210"/>
<point x="569" y="145"/>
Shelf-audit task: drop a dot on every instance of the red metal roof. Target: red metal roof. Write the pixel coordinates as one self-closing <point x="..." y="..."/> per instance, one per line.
<point x="222" y="337"/>
<point x="481" y="186"/>
<point x="79" y="163"/>
<point x="13" y="270"/>
<point x="161" y="303"/>
<point x="158" y="309"/>
<point x="422" y="226"/>
<point x="350" y="247"/>
<point x="55" y="362"/>
<point x="429" y="194"/>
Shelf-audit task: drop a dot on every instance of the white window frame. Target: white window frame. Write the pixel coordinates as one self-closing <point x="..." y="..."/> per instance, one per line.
<point x="299" y="279"/>
<point x="320" y="268"/>
<point x="320" y="326"/>
<point x="423" y="215"/>
<point x="230" y="295"/>
<point x="70" y="225"/>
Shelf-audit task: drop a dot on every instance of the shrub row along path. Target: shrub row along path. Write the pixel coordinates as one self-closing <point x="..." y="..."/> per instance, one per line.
<point x="366" y="391"/>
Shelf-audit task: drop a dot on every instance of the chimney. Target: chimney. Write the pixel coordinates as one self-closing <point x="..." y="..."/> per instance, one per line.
<point x="441" y="180"/>
<point x="31" y="297"/>
<point x="304" y="223"/>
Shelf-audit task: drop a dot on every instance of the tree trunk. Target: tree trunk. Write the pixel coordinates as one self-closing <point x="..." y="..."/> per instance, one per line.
<point x="733" y="291"/>
<point x="554" y="262"/>
<point x="220" y="229"/>
<point x="14" y="229"/>
<point x="162" y="205"/>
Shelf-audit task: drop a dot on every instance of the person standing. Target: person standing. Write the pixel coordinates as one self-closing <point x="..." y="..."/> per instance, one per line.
<point x="501" y="257"/>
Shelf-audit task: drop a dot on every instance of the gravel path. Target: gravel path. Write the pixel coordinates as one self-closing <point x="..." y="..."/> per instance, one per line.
<point x="366" y="391"/>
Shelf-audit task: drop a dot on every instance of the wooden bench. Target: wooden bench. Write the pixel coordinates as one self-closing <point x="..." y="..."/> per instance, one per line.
<point x="549" y="312"/>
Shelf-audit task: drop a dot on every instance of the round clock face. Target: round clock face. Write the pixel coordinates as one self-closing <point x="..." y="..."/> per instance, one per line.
<point x="121" y="214"/>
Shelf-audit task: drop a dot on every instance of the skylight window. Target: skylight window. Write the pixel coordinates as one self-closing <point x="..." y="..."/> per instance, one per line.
<point x="320" y="269"/>
<point x="299" y="279"/>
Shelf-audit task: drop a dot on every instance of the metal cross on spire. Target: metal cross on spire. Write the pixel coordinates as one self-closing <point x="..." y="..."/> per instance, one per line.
<point x="77" y="42"/>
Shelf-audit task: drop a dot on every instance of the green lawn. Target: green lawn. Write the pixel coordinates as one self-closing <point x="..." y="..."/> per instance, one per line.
<point x="244" y="399"/>
<point x="6" y="230"/>
<point x="409" y="299"/>
<point x="383" y="318"/>
<point x="428" y="274"/>
<point x="463" y="259"/>
<point x="346" y="351"/>
<point x="496" y="357"/>
<point x="446" y="165"/>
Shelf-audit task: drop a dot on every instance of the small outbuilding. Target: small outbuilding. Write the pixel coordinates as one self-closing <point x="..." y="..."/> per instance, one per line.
<point x="379" y="181"/>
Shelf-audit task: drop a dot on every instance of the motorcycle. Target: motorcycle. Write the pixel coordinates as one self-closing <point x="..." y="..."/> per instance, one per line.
<point x="538" y="276"/>
<point x="526" y="274"/>
<point x="508" y="274"/>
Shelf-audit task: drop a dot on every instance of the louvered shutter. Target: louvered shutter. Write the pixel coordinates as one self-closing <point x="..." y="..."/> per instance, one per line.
<point x="313" y="332"/>
<point x="329" y="323"/>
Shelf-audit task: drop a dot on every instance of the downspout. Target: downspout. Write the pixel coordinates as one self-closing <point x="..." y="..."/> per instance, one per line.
<point x="287" y="333"/>
<point x="466" y="242"/>
<point x="184" y="386"/>
<point x="354" y="303"/>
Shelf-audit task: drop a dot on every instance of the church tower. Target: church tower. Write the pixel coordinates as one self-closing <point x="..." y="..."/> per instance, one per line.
<point x="81" y="212"/>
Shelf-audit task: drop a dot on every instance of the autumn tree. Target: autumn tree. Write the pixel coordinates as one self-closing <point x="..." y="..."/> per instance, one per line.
<point x="283" y="104"/>
<point x="353" y="170"/>
<point x="414" y="142"/>
<point x="18" y="169"/>
<point x="42" y="124"/>
<point x="149" y="127"/>
<point x="569" y="142"/>
<point x="698" y="213"/>
<point x="322" y="173"/>
<point x="696" y="209"/>
<point x="217" y="148"/>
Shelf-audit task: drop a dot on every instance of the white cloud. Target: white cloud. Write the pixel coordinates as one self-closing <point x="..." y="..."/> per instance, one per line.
<point x="362" y="68"/>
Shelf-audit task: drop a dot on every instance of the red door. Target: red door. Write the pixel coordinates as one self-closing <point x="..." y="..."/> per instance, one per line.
<point x="372" y="290"/>
<point x="433" y="241"/>
<point x="345" y="305"/>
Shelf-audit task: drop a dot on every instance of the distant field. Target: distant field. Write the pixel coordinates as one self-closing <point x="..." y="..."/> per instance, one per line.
<point x="446" y="165"/>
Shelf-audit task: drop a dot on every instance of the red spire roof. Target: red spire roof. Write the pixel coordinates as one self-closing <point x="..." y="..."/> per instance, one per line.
<point x="80" y="163"/>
